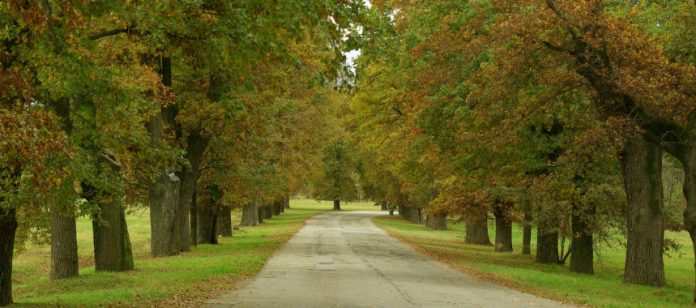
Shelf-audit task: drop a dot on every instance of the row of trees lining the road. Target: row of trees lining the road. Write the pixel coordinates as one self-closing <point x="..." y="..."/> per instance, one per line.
<point x="554" y="114"/>
<point x="189" y="108"/>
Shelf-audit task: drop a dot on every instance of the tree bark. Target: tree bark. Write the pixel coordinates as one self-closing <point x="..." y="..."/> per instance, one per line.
<point x="64" y="260"/>
<point x="112" y="246"/>
<point x="287" y="202"/>
<point x="477" y="232"/>
<point x="337" y="205"/>
<point x="193" y="218"/>
<point x="207" y="217"/>
<point x="415" y="215"/>
<point x="582" y="254"/>
<point x="8" y="227"/>
<point x="195" y="149"/>
<point x="277" y="206"/>
<point x="403" y="212"/>
<point x="164" y="196"/>
<point x="547" y="247"/>
<point x="436" y="221"/>
<point x="642" y="170"/>
<point x="503" y="230"/>
<point x="224" y="222"/>
<point x="261" y="213"/>
<point x="527" y="233"/>
<point x="250" y="215"/>
<point x="268" y="211"/>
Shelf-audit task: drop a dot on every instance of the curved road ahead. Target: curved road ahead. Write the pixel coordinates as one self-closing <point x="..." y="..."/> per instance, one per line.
<point x="341" y="259"/>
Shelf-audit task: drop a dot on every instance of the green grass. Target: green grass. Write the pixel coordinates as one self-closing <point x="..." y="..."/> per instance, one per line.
<point x="192" y="276"/>
<point x="604" y="289"/>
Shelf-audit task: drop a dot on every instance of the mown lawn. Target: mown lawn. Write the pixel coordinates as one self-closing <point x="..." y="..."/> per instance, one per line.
<point x="182" y="280"/>
<point x="604" y="289"/>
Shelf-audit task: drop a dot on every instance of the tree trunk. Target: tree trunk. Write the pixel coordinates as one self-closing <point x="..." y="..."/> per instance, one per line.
<point x="261" y="213"/>
<point x="277" y="206"/>
<point x="224" y="222"/>
<point x="642" y="170"/>
<point x="64" y="260"/>
<point x="250" y="215"/>
<point x="8" y="227"/>
<point x="193" y="218"/>
<point x="207" y="217"/>
<point x="415" y="215"/>
<point x="686" y="154"/>
<point x="268" y="211"/>
<point x="196" y="146"/>
<point x="383" y="207"/>
<point x="477" y="232"/>
<point x="547" y="247"/>
<point x="503" y="230"/>
<point x="403" y="212"/>
<point x="112" y="246"/>
<point x="337" y="205"/>
<point x="281" y="205"/>
<point x="164" y="196"/>
<point x="582" y="254"/>
<point x="287" y="202"/>
<point x="527" y="233"/>
<point x="436" y="221"/>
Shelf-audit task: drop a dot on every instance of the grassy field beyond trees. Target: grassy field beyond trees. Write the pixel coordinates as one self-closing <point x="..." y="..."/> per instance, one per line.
<point x="603" y="289"/>
<point x="197" y="274"/>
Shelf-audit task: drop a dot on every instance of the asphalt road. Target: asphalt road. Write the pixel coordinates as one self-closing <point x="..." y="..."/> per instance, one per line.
<point x="341" y="259"/>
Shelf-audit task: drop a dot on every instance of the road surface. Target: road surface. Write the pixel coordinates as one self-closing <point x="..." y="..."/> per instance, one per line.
<point x="341" y="259"/>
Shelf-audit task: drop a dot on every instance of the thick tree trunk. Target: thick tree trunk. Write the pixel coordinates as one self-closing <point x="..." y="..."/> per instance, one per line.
<point x="415" y="215"/>
<point x="337" y="205"/>
<point x="281" y="205"/>
<point x="287" y="202"/>
<point x="383" y="207"/>
<point x="686" y="154"/>
<point x="207" y="218"/>
<point x="64" y="260"/>
<point x="8" y="227"/>
<point x="261" y="213"/>
<point x="277" y="206"/>
<point x="477" y="232"/>
<point x="195" y="149"/>
<point x="582" y="254"/>
<point x="503" y="230"/>
<point x="112" y="246"/>
<point x="436" y="221"/>
<point x="193" y="218"/>
<point x="642" y="170"/>
<point x="547" y="247"/>
<point x="403" y="212"/>
<point x="268" y="211"/>
<point x="164" y="197"/>
<point x="527" y="233"/>
<point x="224" y="222"/>
<point x="250" y="215"/>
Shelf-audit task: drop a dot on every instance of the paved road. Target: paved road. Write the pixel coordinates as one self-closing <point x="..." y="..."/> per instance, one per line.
<point x="341" y="259"/>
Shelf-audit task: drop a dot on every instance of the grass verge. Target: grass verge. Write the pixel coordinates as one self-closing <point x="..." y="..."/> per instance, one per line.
<point x="604" y="289"/>
<point x="183" y="280"/>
